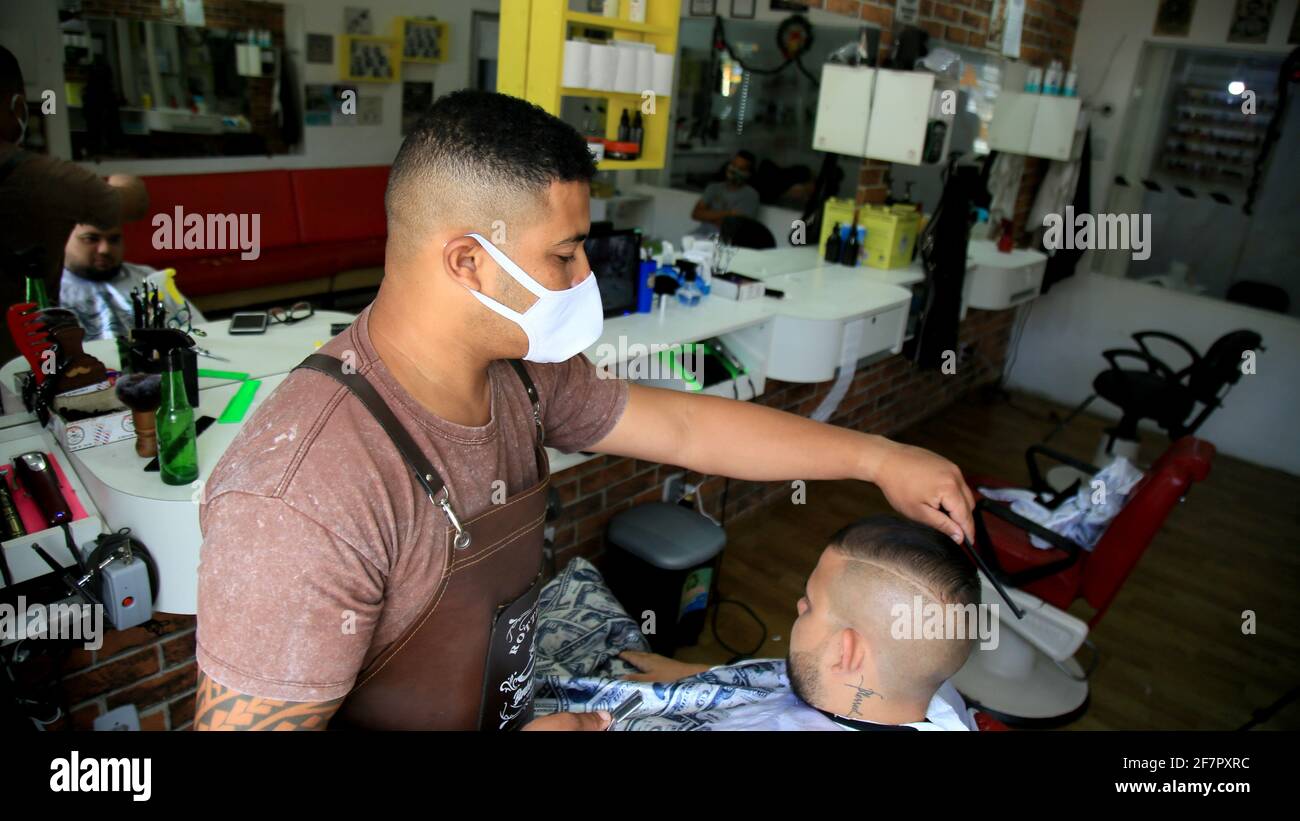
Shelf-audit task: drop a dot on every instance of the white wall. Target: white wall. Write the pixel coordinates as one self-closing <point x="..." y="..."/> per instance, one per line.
<point x="30" y="29"/>
<point x="1060" y="354"/>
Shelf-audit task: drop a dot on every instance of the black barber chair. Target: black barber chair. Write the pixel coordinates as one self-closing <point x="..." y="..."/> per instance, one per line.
<point x="1164" y="395"/>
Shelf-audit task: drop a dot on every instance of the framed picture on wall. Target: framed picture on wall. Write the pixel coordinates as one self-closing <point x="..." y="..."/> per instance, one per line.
<point x="1251" y="20"/>
<point x="1174" y="18"/>
<point x="320" y="48"/>
<point x="704" y="8"/>
<point x="743" y="9"/>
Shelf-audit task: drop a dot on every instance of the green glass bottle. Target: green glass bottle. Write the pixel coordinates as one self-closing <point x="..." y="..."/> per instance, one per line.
<point x="36" y="292"/>
<point x="178" y="454"/>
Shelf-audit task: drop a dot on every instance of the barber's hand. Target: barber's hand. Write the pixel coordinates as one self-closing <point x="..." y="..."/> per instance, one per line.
<point x="655" y="667"/>
<point x="927" y="488"/>
<point x="571" y="722"/>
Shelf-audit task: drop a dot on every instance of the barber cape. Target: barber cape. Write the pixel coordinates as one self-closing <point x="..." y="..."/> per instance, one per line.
<point x="783" y="710"/>
<point x="582" y="628"/>
<point x="103" y="308"/>
<point x="751" y="695"/>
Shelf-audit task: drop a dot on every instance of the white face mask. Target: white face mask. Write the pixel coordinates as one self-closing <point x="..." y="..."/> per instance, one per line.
<point x="560" y="324"/>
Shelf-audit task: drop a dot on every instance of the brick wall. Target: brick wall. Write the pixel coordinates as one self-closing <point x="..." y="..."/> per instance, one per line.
<point x="1048" y="34"/>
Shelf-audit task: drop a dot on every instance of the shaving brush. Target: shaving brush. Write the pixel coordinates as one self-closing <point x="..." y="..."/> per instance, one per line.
<point x="142" y="393"/>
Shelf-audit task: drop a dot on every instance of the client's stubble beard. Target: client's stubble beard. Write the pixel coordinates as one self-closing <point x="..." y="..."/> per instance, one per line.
<point x="805" y="680"/>
<point x="91" y="273"/>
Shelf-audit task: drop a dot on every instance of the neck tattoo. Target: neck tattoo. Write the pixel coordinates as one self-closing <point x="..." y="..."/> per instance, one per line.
<point x="860" y="694"/>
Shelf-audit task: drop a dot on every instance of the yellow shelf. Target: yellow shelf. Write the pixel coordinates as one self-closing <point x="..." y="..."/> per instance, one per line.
<point x="531" y="45"/>
<point x="629" y="165"/>
<point x="595" y="92"/>
<point x="615" y="23"/>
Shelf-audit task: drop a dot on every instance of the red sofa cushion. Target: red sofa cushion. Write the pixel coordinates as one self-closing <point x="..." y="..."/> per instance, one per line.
<point x="340" y="203"/>
<point x="266" y="193"/>
<point x="222" y="274"/>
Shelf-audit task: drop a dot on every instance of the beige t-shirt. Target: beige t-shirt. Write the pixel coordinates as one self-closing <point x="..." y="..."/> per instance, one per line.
<point x="319" y="547"/>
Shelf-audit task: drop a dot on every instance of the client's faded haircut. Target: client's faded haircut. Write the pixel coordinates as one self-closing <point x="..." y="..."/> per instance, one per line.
<point x="476" y="157"/>
<point x="891" y="560"/>
<point x="914" y="550"/>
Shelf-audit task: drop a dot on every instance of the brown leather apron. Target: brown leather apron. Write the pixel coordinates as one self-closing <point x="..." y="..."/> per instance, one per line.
<point x="466" y="662"/>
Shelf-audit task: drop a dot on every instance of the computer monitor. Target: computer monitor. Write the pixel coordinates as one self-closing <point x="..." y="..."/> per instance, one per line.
<point x="615" y="258"/>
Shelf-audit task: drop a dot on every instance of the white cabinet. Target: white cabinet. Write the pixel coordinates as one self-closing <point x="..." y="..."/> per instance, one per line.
<point x="1037" y="125"/>
<point x="1055" y="125"/>
<point x="875" y="113"/>
<point x="899" y="114"/>
<point x="1013" y="121"/>
<point x="843" y="109"/>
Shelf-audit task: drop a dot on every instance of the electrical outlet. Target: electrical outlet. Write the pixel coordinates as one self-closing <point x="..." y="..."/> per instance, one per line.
<point x="123" y="718"/>
<point x="674" y="487"/>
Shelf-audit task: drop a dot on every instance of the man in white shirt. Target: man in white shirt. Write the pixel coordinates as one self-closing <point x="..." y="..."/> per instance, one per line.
<point x="97" y="284"/>
<point x="854" y="662"/>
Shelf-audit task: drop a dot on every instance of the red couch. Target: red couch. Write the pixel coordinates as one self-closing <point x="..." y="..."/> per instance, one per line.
<point x="315" y="224"/>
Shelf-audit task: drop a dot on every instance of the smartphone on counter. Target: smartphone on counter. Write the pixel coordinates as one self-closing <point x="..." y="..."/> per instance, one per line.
<point x="249" y="322"/>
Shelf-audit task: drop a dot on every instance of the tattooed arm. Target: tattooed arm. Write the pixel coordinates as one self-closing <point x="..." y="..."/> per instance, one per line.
<point x="218" y="707"/>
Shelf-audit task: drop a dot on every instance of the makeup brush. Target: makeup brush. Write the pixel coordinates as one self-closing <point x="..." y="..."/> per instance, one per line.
<point x="142" y="393"/>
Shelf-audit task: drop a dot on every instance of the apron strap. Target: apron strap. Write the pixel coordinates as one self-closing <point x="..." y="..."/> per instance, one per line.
<point x="531" y="390"/>
<point x="424" y="471"/>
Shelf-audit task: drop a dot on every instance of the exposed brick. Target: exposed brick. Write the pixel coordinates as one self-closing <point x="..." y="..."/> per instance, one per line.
<point x="178" y="650"/>
<point x="157" y="689"/>
<point x="154" y="721"/>
<point x="112" y="675"/>
<point x="181" y="711"/>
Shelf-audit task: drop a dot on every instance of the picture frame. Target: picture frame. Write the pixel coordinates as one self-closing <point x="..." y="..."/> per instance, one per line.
<point x="320" y="48"/>
<point x="370" y="59"/>
<point x="704" y="8"/>
<point x="744" y="9"/>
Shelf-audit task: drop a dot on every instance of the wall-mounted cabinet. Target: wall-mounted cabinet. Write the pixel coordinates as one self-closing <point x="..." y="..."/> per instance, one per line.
<point x="1036" y="125"/>
<point x="880" y="114"/>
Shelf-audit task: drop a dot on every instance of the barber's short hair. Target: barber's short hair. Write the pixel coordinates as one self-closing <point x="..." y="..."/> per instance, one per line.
<point x="915" y="550"/>
<point x="11" y="75"/>
<point x="474" y="156"/>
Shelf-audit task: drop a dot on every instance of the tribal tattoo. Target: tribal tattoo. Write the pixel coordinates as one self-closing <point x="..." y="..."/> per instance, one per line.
<point x="217" y="707"/>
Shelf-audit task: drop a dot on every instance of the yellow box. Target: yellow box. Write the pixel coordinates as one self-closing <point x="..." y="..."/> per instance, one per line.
<point x="891" y="235"/>
<point x="891" y="230"/>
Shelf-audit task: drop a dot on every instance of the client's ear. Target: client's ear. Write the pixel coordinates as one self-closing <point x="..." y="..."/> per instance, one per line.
<point x="853" y="651"/>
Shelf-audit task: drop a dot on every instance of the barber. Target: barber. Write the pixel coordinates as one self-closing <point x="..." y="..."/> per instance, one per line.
<point x="373" y="537"/>
<point x="43" y="197"/>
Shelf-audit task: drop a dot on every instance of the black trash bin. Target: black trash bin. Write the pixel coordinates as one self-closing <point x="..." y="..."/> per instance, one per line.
<point x="663" y="566"/>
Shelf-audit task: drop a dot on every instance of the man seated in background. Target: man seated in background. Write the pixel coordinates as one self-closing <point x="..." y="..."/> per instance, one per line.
<point x="734" y="197"/>
<point x="97" y="284"/>
<point x="845" y="670"/>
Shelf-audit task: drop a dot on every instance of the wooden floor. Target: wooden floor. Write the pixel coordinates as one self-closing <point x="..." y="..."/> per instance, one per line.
<point x="1173" y="655"/>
